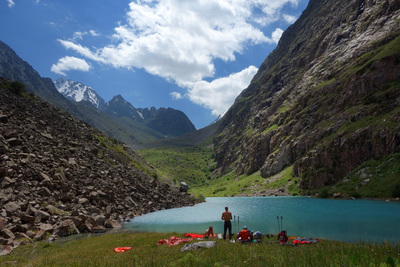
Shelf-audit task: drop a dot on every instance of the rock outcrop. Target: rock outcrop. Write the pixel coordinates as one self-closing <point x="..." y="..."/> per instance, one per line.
<point x="324" y="101"/>
<point x="59" y="176"/>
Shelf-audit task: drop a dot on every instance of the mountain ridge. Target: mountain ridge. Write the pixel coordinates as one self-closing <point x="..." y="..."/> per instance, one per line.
<point x="318" y="101"/>
<point x="167" y="121"/>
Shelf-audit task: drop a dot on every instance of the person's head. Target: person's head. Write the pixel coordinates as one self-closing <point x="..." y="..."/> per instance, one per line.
<point x="245" y="227"/>
<point x="210" y="227"/>
<point x="226" y="208"/>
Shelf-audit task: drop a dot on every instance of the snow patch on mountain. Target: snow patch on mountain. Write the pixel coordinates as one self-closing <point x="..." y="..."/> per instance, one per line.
<point x="78" y="92"/>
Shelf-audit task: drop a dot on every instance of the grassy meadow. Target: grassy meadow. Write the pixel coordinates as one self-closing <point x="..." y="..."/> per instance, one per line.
<point x="98" y="251"/>
<point x="192" y="165"/>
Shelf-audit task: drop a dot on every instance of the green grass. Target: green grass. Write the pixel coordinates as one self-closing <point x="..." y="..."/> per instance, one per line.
<point x="98" y="251"/>
<point x="231" y="184"/>
<point x="192" y="165"/>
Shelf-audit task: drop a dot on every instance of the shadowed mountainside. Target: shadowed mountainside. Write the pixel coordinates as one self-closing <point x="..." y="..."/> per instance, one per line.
<point x="324" y="101"/>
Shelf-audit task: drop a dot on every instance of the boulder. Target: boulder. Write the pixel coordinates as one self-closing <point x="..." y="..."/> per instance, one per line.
<point x="40" y="235"/>
<point x="41" y="216"/>
<point x="44" y="192"/>
<point x="202" y="244"/>
<point x="2" y="223"/>
<point x="7" y="234"/>
<point x="66" y="228"/>
<point x="99" y="219"/>
<point x="5" y="250"/>
<point x="25" y="218"/>
<point x="110" y="223"/>
<point x="11" y="208"/>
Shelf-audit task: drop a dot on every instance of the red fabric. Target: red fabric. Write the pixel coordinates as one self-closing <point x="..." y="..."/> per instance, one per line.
<point x="122" y="249"/>
<point x="194" y="235"/>
<point x="173" y="241"/>
<point x="244" y="235"/>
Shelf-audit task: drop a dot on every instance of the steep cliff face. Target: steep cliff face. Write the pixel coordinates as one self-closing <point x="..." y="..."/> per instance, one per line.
<point x="324" y="101"/>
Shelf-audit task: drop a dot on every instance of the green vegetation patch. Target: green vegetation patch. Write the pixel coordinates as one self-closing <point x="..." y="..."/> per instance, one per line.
<point x="232" y="185"/>
<point x="365" y="61"/>
<point x="99" y="251"/>
<point x="192" y="165"/>
<point x="373" y="179"/>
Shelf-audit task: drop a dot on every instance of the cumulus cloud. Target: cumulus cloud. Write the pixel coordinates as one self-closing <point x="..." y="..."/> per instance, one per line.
<point x="10" y="3"/>
<point x="176" y="95"/>
<point x="220" y="94"/>
<point x="289" y="18"/>
<point x="180" y="41"/>
<point x="276" y="35"/>
<point x="93" y="33"/>
<point x="69" y="63"/>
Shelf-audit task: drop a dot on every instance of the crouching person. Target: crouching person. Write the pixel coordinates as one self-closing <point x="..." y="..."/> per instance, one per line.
<point x="245" y="236"/>
<point x="209" y="232"/>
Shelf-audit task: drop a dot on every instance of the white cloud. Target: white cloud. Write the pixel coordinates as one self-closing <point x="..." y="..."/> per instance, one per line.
<point x="69" y="63"/>
<point x="10" y="3"/>
<point x="79" y="35"/>
<point x="180" y="40"/>
<point x="289" y="18"/>
<point x="276" y="35"/>
<point x="176" y="95"/>
<point x="94" y="33"/>
<point x="220" y="94"/>
<point x="84" y="51"/>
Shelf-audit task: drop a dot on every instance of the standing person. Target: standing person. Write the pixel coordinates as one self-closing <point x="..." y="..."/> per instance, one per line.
<point x="227" y="217"/>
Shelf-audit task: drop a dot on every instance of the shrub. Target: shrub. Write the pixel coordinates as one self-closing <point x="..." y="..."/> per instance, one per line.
<point x="396" y="190"/>
<point x="17" y="88"/>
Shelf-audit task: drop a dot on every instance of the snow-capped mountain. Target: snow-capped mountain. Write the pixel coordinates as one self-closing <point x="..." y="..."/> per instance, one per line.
<point x="77" y="92"/>
<point x="167" y="121"/>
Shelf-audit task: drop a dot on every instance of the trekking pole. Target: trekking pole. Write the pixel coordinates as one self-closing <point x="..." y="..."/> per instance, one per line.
<point x="277" y="217"/>
<point x="234" y="222"/>
<point x="281" y="223"/>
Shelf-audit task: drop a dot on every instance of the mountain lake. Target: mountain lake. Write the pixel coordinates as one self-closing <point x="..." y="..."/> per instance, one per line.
<point x="342" y="220"/>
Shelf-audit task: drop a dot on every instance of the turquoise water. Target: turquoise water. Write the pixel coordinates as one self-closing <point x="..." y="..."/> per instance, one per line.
<point x="342" y="220"/>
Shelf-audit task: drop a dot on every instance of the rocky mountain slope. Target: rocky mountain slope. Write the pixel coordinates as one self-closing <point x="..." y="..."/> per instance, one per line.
<point x="124" y="129"/>
<point x="59" y="176"/>
<point x="166" y="121"/>
<point x="324" y="101"/>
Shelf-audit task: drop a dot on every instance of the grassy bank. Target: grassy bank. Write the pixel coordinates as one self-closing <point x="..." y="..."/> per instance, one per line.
<point x="251" y="185"/>
<point x="98" y="251"/>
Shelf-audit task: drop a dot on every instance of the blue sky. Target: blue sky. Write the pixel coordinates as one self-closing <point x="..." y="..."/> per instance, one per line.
<point x="192" y="55"/>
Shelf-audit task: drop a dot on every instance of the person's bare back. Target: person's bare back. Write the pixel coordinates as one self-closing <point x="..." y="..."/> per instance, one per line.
<point x="226" y="216"/>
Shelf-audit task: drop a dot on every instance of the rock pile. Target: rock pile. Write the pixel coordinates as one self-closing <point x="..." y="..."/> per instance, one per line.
<point x="59" y="176"/>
